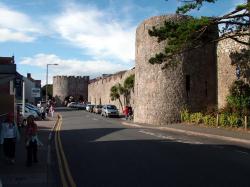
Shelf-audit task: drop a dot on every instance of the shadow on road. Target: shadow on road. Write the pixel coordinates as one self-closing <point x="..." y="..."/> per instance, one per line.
<point x="96" y="159"/>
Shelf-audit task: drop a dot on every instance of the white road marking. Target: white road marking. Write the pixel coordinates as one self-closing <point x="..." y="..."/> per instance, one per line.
<point x="169" y="138"/>
<point x="95" y="119"/>
<point x="242" y="152"/>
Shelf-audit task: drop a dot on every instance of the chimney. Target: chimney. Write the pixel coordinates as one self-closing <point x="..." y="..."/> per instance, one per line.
<point x="28" y="75"/>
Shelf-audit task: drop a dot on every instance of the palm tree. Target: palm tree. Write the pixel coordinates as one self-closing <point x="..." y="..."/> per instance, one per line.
<point x="128" y="85"/>
<point x="115" y="94"/>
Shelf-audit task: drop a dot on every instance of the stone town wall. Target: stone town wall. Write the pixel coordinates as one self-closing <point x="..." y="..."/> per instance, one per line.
<point x="99" y="89"/>
<point x="161" y="94"/>
<point x="64" y="86"/>
<point x="226" y="71"/>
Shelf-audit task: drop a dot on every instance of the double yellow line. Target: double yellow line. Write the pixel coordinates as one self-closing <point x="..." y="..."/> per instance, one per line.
<point x="66" y="177"/>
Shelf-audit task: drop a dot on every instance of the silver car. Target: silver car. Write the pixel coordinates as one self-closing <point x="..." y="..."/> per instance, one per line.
<point x="110" y="111"/>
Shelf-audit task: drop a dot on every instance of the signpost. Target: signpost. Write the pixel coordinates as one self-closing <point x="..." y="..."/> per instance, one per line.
<point x="35" y="92"/>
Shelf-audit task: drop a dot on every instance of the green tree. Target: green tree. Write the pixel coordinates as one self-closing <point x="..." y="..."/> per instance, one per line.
<point x="191" y="33"/>
<point x="128" y="86"/>
<point x="117" y="90"/>
<point x="49" y="89"/>
<point x="239" y="97"/>
<point x="115" y="94"/>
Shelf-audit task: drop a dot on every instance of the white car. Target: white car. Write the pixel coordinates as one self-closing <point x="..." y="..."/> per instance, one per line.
<point x="110" y="111"/>
<point x="28" y="112"/>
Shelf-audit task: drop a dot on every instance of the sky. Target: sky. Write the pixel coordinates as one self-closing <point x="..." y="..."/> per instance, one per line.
<point x="84" y="37"/>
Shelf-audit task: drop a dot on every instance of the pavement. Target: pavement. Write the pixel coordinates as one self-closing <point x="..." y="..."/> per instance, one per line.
<point x="235" y="136"/>
<point x="19" y="174"/>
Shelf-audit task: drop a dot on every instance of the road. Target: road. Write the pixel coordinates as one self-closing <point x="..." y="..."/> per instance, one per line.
<point x="103" y="152"/>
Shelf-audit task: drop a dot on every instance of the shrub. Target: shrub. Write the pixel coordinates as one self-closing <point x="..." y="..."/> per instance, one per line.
<point x="196" y="117"/>
<point x="223" y="121"/>
<point x="185" y="116"/>
<point x="234" y="121"/>
<point x="239" y="97"/>
<point x="209" y="120"/>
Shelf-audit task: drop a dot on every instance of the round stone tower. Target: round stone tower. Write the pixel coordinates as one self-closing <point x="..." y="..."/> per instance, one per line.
<point x="64" y="86"/>
<point x="160" y="94"/>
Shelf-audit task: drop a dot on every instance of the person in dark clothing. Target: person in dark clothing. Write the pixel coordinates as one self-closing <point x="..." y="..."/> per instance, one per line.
<point x="31" y="141"/>
<point x="130" y="113"/>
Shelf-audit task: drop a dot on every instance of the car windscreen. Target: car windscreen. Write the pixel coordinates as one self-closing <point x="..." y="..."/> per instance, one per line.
<point x="111" y="107"/>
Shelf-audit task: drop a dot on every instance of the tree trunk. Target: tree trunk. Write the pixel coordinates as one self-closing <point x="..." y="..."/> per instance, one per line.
<point x="121" y="103"/>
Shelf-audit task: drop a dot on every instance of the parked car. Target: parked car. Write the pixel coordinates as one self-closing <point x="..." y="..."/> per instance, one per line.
<point x="30" y="107"/>
<point x="27" y="113"/>
<point x="97" y="109"/>
<point x="81" y="106"/>
<point x="71" y="105"/>
<point x="90" y="107"/>
<point x="110" y="111"/>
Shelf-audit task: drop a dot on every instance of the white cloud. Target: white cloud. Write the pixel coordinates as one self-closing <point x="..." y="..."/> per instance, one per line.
<point x="96" y="32"/>
<point x="9" y="35"/>
<point x="71" y="66"/>
<point x="16" y="26"/>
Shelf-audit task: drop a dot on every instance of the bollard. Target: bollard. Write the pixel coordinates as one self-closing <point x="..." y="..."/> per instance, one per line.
<point x="245" y="121"/>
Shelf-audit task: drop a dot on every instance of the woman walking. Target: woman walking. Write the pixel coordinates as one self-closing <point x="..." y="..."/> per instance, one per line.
<point x="8" y="137"/>
<point x="31" y="141"/>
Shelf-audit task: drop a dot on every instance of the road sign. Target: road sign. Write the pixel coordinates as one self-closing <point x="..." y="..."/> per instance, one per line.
<point x="35" y="92"/>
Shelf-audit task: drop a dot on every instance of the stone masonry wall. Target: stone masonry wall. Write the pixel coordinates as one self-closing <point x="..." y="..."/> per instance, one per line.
<point x="64" y="86"/>
<point x="161" y="94"/>
<point x="226" y="71"/>
<point x="99" y="90"/>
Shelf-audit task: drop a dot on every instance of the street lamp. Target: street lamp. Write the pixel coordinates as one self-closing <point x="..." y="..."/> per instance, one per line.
<point x="47" y="72"/>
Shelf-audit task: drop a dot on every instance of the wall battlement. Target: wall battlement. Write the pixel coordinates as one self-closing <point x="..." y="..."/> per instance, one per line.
<point x="71" y="77"/>
<point x="64" y="86"/>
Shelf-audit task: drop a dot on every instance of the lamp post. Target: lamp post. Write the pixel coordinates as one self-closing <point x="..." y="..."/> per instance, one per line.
<point x="47" y="72"/>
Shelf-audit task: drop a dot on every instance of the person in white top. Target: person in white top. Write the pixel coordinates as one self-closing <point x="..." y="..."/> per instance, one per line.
<point x="51" y="110"/>
<point x="8" y="137"/>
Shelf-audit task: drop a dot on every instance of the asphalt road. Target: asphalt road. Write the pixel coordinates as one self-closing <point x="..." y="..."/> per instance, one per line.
<point x="102" y="152"/>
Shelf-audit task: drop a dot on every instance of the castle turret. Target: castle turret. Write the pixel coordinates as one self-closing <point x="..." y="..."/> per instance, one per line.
<point x="160" y="94"/>
<point x="64" y="86"/>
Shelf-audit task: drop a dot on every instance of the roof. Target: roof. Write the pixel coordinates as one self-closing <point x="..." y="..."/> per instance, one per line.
<point x="7" y="60"/>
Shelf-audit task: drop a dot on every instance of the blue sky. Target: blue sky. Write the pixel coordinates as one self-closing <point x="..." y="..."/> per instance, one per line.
<point x="85" y="37"/>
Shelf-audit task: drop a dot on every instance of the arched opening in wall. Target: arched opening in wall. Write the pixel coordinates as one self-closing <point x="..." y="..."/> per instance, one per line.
<point x="188" y="85"/>
<point x="81" y="99"/>
<point x="206" y="89"/>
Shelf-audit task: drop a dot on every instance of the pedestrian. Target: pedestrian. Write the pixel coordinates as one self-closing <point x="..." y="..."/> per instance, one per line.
<point x="8" y="137"/>
<point x="42" y="111"/>
<point x="51" y="110"/>
<point x="47" y="110"/>
<point x="125" y="111"/>
<point x="31" y="141"/>
<point x="130" y="113"/>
